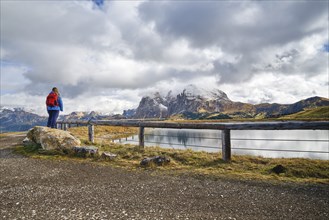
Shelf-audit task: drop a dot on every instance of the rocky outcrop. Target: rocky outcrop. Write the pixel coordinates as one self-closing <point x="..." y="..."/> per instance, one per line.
<point x="198" y="101"/>
<point x="155" y="106"/>
<point x="52" y="139"/>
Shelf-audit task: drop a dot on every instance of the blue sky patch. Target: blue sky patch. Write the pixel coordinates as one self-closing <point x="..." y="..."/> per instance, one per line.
<point x="99" y="3"/>
<point x="326" y="47"/>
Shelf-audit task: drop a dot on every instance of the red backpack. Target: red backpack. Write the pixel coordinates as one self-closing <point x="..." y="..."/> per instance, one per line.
<point x="52" y="100"/>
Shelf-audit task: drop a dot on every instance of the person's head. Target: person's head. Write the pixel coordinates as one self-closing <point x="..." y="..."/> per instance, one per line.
<point x="55" y="90"/>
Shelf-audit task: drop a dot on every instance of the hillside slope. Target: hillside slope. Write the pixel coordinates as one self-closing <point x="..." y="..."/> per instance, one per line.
<point x="317" y="113"/>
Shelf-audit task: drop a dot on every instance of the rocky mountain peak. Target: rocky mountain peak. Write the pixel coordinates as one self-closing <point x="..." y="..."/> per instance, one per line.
<point x="191" y="98"/>
<point x="198" y="101"/>
<point x="219" y="94"/>
<point x="192" y="92"/>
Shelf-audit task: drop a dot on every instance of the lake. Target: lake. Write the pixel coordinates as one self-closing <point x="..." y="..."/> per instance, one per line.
<point x="267" y="143"/>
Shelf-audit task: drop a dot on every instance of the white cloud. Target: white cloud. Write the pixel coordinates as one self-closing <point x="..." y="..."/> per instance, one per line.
<point x="248" y="15"/>
<point x="278" y="88"/>
<point x="252" y="50"/>
<point x="12" y="77"/>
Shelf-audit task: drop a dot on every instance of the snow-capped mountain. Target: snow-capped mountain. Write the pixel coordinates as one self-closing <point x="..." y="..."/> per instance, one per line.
<point x="191" y="99"/>
<point x="18" y="119"/>
<point x="192" y="93"/>
<point x="193" y="102"/>
<point x="88" y="115"/>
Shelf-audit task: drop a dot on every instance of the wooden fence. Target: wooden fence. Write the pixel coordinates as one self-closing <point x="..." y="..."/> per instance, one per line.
<point x="224" y="127"/>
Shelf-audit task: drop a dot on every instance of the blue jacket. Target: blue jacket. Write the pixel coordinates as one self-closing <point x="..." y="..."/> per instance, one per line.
<point x="59" y="107"/>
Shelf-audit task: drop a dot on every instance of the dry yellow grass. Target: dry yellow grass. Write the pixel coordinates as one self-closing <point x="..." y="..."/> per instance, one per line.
<point x="104" y="134"/>
<point x="201" y="164"/>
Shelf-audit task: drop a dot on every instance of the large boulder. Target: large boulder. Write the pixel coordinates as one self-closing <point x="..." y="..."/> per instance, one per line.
<point x="50" y="138"/>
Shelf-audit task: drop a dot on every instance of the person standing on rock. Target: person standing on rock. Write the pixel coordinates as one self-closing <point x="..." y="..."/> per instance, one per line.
<point x="54" y="105"/>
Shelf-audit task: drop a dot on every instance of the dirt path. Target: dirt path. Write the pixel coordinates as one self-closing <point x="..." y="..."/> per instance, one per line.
<point x="46" y="189"/>
<point x="8" y="141"/>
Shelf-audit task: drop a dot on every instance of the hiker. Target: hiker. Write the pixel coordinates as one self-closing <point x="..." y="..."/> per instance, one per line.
<point x="54" y="105"/>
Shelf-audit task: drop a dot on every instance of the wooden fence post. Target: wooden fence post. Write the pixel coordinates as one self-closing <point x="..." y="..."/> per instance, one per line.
<point x="226" y="145"/>
<point x="141" y="137"/>
<point x="91" y="133"/>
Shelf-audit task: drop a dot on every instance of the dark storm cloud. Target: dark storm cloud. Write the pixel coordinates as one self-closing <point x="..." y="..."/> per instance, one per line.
<point x="239" y="28"/>
<point x="231" y="25"/>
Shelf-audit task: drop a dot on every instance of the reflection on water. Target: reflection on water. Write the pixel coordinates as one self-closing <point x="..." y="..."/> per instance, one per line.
<point x="267" y="143"/>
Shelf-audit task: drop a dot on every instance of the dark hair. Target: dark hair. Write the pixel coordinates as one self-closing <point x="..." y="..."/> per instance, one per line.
<point x="55" y="90"/>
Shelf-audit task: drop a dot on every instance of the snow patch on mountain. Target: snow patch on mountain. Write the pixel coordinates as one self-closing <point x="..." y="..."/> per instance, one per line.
<point x="192" y="92"/>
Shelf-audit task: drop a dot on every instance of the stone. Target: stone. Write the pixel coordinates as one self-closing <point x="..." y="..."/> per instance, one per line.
<point x="157" y="160"/>
<point x="278" y="169"/>
<point x="27" y="142"/>
<point x="108" y="155"/>
<point x="52" y="139"/>
<point x="92" y="150"/>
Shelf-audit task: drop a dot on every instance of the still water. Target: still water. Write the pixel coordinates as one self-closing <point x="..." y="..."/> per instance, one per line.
<point x="267" y="143"/>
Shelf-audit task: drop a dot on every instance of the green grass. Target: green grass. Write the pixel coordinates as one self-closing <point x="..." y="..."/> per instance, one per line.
<point x="317" y="113"/>
<point x="211" y="164"/>
<point x="188" y="162"/>
<point x="200" y="164"/>
<point x="29" y="150"/>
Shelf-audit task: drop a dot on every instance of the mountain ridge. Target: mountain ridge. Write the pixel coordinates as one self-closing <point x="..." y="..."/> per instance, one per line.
<point x="195" y="103"/>
<point x="18" y="119"/>
<point x="191" y="103"/>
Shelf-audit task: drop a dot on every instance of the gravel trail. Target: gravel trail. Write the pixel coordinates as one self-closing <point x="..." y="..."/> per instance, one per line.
<point x="47" y="189"/>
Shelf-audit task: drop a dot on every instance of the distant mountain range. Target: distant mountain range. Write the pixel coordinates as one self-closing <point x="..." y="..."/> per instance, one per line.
<point x="191" y="103"/>
<point x="17" y="119"/>
<point x="195" y="103"/>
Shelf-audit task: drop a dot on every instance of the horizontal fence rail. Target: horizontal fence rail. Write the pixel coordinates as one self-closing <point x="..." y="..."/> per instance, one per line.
<point x="291" y="125"/>
<point x="185" y="144"/>
<point x="224" y="127"/>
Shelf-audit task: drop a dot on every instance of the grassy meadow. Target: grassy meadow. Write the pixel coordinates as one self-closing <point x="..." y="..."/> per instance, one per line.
<point x="188" y="162"/>
<point x="320" y="113"/>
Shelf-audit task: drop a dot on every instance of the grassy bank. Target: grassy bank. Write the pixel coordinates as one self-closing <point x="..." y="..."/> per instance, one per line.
<point x="188" y="162"/>
<point x="320" y="113"/>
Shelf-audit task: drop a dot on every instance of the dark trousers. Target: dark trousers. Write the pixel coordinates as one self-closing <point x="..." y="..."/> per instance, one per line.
<point x="53" y="115"/>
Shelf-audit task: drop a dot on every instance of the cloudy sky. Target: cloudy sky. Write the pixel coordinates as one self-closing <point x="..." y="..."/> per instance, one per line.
<point x="106" y="55"/>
